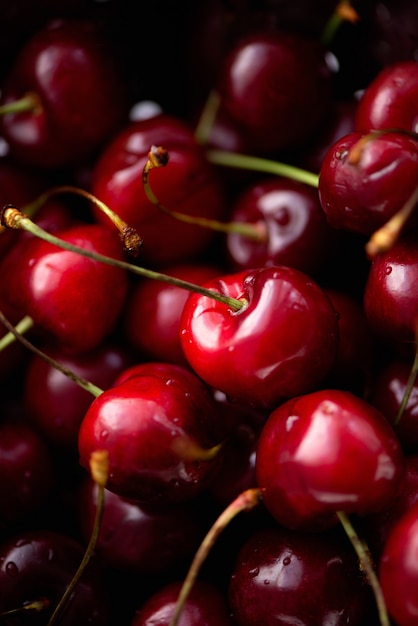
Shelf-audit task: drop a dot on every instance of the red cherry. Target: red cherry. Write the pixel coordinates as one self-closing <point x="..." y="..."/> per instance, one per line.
<point x="359" y="179"/>
<point x="79" y="94"/>
<point x="141" y="422"/>
<point x="281" y="343"/>
<point x="325" y="452"/>
<point x="398" y="569"/>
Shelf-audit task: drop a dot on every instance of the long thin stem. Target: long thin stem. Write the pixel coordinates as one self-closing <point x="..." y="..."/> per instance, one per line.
<point x="29" y="102"/>
<point x="258" y="164"/>
<point x="409" y="386"/>
<point x="25" y="324"/>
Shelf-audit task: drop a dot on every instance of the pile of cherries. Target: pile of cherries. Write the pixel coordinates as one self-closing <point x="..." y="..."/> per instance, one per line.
<point x="209" y="275"/>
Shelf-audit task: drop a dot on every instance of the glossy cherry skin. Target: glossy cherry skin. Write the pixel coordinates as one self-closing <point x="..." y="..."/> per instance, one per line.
<point x="72" y="299"/>
<point x="56" y="404"/>
<point x="325" y="452"/>
<point x="81" y="92"/>
<point x="260" y="88"/>
<point x="187" y="184"/>
<point x="140" y="422"/>
<point x="359" y="179"/>
<point x="398" y="569"/>
<point x="154" y="308"/>
<point x="205" y="606"/>
<point x="389" y="101"/>
<point x="39" y="565"/>
<point x="283" y="341"/>
<point x="391" y="292"/>
<point x="282" y="577"/>
<point x="296" y="231"/>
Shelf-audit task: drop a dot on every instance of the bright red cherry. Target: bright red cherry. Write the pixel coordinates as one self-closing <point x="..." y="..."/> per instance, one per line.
<point x="282" y="341"/>
<point x="325" y="452"/>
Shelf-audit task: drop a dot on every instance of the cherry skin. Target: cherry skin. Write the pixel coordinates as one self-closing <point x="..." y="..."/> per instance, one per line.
<point x="282" y="577"/>
<point x="260" y="88"/>
<point x="282" y="342"/>
<point x="297" y="233"/>
<point x="146" y="424"/>
<point x="79" y="91"/>
<point x="391" y="293"/>
<point x="188" y="184"/>
<point x="325" y="452"/>
<point x="47" y="281"/>
<point x="38" y="565"/>
<point x="398" y="569"/>
<point x="359" y="179"/>
<point x="389" y="101"/>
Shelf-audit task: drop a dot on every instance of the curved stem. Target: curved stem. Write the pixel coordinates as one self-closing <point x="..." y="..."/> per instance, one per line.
<point x="13" y="218"/>
<point x="258" y="164"/>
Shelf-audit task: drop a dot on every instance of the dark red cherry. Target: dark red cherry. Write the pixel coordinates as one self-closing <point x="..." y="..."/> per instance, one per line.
<point x="71" y="298"/>
<point x="296" y="230"/>
<point x="398" y="569"/>
<point x="188" y="184"/>
<point x="38" y="565"/>
<point x="156" y="426"/>
<point x="205" y="606"/>
<point x="282" y="342"/>
<point x="55" y="403"/>
<point x="282" y="577"/>
<point x="78" y="90"/>
<point x="261" y="89"/>
<point x="389" y="101"/>
<point x="140" y="539"/>
<point x="359" y="179"/>
<point x="391" y="292"/>
<point x="325" y="452"/>
<point x="153" y="312"/>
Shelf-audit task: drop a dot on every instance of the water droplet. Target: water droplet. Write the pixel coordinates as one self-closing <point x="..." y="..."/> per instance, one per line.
<point x="266" y="582"/>
<point x="287" y="560"/>
<point x="169" y="382"/>
<point x="12" y="569"/>
<point x="254" y="572"/>
<point x="104" y="435"/>
<point x="388" y="270"/>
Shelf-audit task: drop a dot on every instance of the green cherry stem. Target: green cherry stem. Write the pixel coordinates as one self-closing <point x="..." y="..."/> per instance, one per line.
<point x="159" y="157"/>
<point x="258" y="164"/>
<point x="207" y="118"/>
<point x="13" y="218"/>
<point x="366" y="566"/>
<point x="25" y="324"/>
<point x="28" y="103"/>
<point x="409" y="385"/>
<point x="245" y="501"/>
<point x="343" y="12"/>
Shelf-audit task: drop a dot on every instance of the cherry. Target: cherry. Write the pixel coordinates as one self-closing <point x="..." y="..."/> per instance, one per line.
<point x="305" y="459"/>
<point x="398" y="569"/>
<point x="359" y="179"/>
<point x="189" y="186"/>
<point x="157" y="428"/>
<point x="389" y="100"/>
<point x="297" y="233"/>
<point x="75" y="93"/>
<point x="282" y="342"/>
<point x="282" y="577"/>
<point x="205" y="606"/>
<point x="260" y="88"/>
<point x="55" y="404"/>
<point x="47" y="281"/>
<point x="36" y="567"/>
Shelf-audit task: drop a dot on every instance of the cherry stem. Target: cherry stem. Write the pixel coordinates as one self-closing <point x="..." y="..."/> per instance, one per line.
<point x="13" y="218"/>
<point x="245" y="501"/>
<point x="366" y="565"/>
<point x="207" y="117"/>
<point x="409" y="386"/>
<point x="386" y="236"/>
<point x="158" y="157"/>
<point x="36" y="606"/>
<point x="99" y="467"/>
<point x="258" y="164"/>
<point x="25" y="324"/>
<point x="81" y="382"/>
<point x="343" y="12"/>
<point x="131" y="240"/>
<point x="28" y="103"/>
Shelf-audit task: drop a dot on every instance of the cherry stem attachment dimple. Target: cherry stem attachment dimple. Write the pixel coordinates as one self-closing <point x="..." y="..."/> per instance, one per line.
<point x="245" y="501"/>
<point x="259" y="164"/>
<point x="159" y="157"/>
<point x="13" y="218"/>
<point x="366" y="566"/>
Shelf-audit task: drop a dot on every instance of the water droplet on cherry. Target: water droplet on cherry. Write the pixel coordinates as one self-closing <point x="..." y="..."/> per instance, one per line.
<point x="12" y="569"/>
